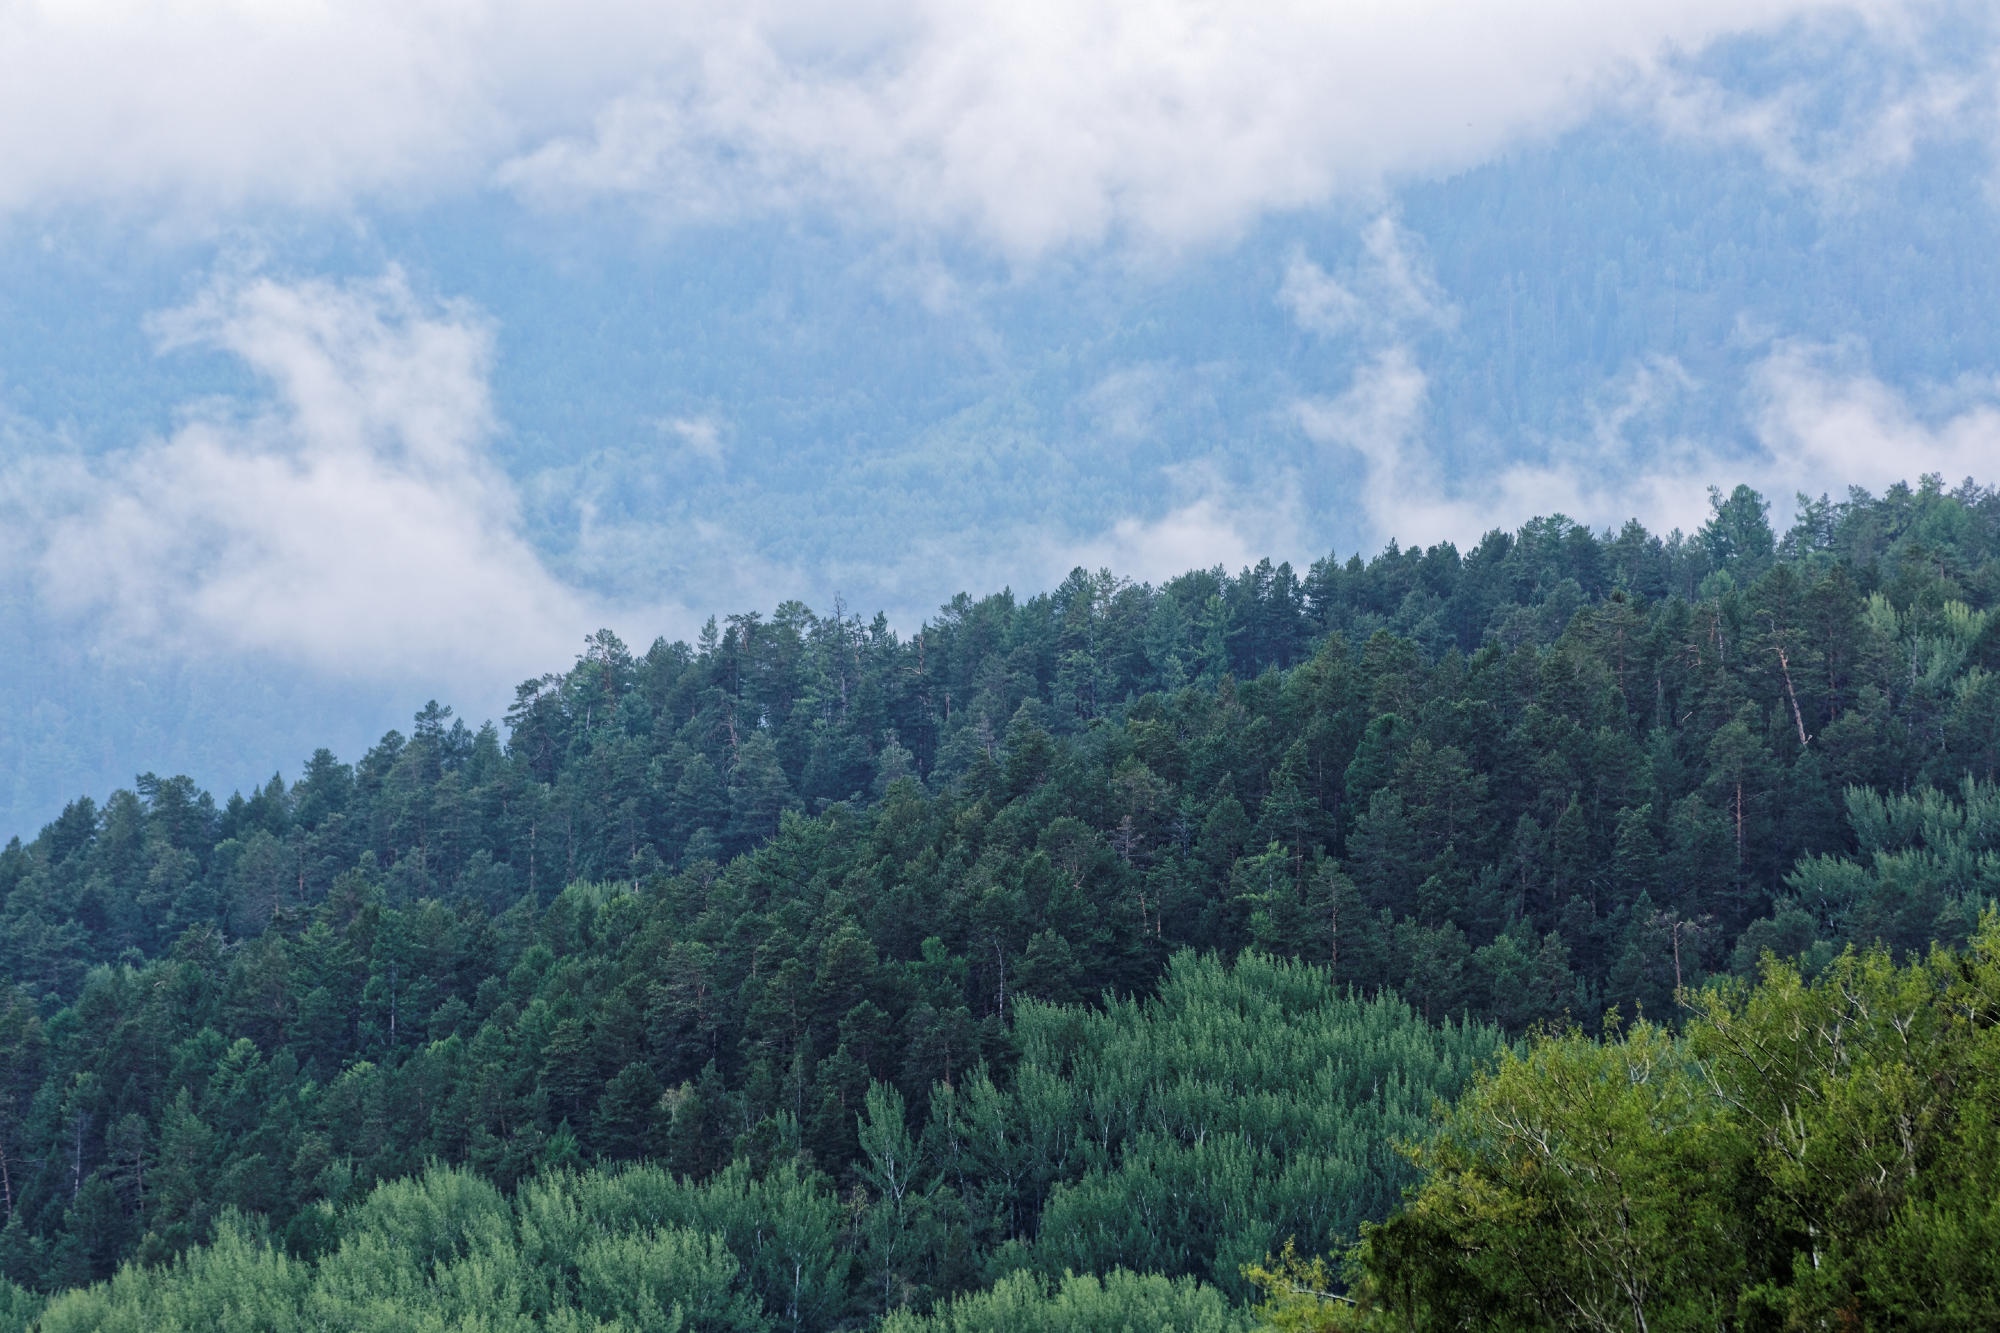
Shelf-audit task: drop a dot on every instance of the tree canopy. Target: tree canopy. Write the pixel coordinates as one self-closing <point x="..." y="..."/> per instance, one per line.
<point x="1113" y="928"/>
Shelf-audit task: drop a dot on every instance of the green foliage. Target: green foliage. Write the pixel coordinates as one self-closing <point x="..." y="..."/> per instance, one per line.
<point x="884" y="924"/>
<point x="1180" y="1135"/>
<point x="19" y="1308"/>
<point x="605" y="1252"/>
<point x="1193" y="1132"/>
<point x="1302" y="1295"/>
<point x="1927" y="860"/>
<point x="1810" y="1154"/>
<point x="1119" y="1302"/>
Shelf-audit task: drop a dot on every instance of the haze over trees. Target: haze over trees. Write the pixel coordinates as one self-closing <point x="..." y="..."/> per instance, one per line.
<point x="1052" y="966"/>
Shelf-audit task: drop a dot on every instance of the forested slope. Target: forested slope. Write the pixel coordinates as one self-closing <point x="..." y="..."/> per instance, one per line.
<point x="1187" y="1135"/>
<point x="811" y="907"/>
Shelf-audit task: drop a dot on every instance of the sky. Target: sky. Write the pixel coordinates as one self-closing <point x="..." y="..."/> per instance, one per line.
<point x="356" y="355"/>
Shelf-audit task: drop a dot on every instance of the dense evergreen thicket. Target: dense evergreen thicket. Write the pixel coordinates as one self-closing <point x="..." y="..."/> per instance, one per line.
<point x="723" y="907"/>
<point x="1183" y="1135"/>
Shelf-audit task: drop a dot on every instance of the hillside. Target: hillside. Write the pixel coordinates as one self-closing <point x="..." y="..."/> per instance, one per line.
<point x="1115" y="930"/>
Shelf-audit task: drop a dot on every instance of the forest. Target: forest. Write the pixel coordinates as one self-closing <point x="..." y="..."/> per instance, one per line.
<point x="1586" y="929"/>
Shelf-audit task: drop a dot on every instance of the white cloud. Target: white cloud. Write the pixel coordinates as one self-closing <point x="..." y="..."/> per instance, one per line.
<point x="1126" y="404"/>
<point x="697" y="437"/>
<point x="1204" y="520"/>
<point x="1405" y="491"/>
<point x="1041" y="125"/>
<point x="1211" y="523"/>
<point x="1026" y="125"/>
<point x="1388" y="292"/>
<point x="352" y="525"/>
<point x="1317" y="301"/>
<point x="206" y="106"/>
<point x="1856" y="103"/>
<point x="1824" y="427"/>
<point x="1817" y="427"/>
<point x="1402" y="488"/>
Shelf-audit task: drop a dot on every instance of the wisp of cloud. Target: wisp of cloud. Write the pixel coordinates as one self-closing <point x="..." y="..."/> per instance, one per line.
<point x="352" y="524"/>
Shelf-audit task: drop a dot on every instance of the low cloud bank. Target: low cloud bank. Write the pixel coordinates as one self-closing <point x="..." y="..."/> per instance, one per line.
<point x="352" y="524"/>
<point x="1025" y="126"/>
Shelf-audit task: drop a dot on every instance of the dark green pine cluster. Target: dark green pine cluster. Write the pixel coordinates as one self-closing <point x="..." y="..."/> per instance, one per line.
<point x="1115" y="930"/>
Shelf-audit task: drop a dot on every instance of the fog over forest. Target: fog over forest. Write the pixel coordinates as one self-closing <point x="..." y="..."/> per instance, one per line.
<point x="296" y="439"/>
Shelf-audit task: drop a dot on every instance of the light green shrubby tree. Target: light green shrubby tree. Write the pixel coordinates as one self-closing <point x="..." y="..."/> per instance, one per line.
<point x="1811" y="1153"/>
